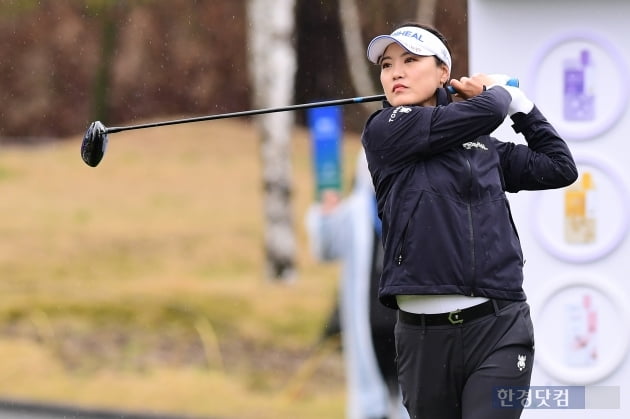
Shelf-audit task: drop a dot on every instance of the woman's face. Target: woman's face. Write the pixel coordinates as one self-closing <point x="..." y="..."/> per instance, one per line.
<point x="410" y="79"/>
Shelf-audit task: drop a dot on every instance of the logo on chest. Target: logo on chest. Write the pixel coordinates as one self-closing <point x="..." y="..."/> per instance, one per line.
<point x="475" y="144"/>
<point x="401" y="109"/>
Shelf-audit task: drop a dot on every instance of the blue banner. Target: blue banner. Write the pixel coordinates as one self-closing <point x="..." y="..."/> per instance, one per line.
<point x="326" y="132"/>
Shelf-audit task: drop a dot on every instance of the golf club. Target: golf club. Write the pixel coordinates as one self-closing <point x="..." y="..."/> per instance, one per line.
<point x="95" y="139"/>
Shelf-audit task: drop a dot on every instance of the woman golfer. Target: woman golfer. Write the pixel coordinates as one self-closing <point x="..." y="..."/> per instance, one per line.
<point x="453" y="264"/>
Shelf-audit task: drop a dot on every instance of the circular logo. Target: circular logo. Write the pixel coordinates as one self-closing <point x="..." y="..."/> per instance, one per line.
<point x="581" y="333"/>
<point x="579" y="80"/>
<point x="587" y="220"/>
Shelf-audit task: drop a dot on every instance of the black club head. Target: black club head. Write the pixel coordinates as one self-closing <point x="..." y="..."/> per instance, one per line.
<point x="94" y="144"/>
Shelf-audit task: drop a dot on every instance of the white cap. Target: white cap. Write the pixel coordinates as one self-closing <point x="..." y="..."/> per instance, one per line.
<point x="415" y="40"/>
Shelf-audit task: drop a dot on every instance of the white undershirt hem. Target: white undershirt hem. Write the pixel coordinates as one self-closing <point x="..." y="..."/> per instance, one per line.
<point x="434" y="304"/>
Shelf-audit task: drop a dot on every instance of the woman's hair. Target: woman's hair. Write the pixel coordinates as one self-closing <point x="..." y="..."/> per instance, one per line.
<point x="431" y="29"/>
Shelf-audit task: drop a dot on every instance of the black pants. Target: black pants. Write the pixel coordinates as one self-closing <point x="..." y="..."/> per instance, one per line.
<point x="453" y="371"/>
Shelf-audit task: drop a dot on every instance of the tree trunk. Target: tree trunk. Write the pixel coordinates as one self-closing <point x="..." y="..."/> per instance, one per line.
<point x="102" y="81"/>
<point x="355" y="48"/>
<point x="425" y="13"/>
<point x="272" y="64"/>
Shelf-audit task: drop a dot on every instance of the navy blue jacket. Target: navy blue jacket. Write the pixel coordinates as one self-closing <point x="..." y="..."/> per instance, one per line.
<point x="440" y="182"/>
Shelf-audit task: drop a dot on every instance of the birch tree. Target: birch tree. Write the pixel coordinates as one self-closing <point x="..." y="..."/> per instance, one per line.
<point x="272" y="65"/>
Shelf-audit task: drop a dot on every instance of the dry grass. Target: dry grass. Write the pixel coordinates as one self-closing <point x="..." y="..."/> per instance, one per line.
<point x="142" y="279"/>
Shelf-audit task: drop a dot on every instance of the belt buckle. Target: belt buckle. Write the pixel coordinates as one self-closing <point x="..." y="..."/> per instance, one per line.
<point x="454" y="317"/>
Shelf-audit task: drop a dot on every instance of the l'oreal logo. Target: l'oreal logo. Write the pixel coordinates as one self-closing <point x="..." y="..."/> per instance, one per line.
<point x="402" y="109"/>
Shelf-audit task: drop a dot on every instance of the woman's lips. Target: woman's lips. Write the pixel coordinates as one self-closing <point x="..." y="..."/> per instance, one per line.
<point x="398" y="87"/>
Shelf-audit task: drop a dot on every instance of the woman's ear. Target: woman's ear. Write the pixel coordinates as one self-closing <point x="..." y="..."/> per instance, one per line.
<point x="446" y="74"/>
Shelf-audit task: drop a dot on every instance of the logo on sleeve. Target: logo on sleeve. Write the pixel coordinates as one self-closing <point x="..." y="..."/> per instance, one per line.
<point x="400" y="109"/>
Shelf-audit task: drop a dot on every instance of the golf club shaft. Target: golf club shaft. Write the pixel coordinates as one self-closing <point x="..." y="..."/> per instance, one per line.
<point x="337" y="102"/>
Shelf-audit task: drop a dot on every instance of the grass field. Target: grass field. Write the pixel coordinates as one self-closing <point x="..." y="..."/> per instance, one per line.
<point x="142" y="279"/>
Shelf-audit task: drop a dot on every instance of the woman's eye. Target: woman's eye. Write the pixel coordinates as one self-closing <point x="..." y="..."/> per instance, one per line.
<point x="410" y="59"/>
<point x="385" y="65"/>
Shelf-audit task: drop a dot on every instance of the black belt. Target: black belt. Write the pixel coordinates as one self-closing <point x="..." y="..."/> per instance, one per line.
<point x="454" y="317"/>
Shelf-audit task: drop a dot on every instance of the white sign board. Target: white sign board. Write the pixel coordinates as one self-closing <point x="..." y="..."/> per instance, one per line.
<point x="573" y="60"/>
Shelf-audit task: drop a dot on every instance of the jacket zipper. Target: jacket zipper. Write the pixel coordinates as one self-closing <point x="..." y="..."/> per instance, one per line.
<point x="399" y="258"/>
<point x="400" y="253"/>
<point x="471" y="237"/>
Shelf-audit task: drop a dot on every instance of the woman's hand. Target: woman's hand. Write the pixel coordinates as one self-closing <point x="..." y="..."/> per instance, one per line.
<point x="330" y="200"/>
<point x="467" y="87"/>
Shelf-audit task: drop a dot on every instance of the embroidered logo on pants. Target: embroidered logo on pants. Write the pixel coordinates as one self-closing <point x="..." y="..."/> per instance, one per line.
<point x="521" y="362"/>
